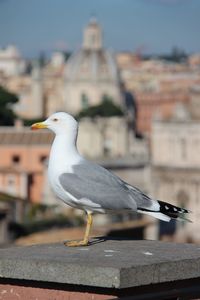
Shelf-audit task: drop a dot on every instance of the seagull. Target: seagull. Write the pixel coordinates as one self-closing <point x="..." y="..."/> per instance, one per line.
<point x="87" y="186"/>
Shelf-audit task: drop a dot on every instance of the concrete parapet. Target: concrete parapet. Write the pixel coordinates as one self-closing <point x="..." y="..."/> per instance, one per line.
<point x="108" y="269"/>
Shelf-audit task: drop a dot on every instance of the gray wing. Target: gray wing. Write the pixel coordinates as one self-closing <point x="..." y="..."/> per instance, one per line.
<point x="97" y="184"/>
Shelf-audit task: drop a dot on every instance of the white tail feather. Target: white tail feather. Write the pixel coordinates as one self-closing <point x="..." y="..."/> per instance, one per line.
<point x="156" y="215"/>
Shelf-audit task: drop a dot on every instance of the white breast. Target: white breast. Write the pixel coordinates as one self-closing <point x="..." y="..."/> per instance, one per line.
<point x="62" y="157"/>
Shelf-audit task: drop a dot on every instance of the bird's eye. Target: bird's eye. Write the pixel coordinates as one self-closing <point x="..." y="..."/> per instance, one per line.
<point x="55" y="120"/>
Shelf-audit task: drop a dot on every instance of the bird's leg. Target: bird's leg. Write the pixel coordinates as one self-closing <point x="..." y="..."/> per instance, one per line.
<point x="85" y="240"/>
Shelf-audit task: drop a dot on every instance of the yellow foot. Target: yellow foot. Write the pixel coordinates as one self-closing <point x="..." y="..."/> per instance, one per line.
<point x="76" y="243"/>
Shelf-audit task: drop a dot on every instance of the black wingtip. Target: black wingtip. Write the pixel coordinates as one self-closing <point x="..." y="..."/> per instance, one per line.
<point x="173" y="211"/>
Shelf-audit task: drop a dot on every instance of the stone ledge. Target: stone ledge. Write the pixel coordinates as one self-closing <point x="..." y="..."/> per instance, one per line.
<point x="107" y="264"/>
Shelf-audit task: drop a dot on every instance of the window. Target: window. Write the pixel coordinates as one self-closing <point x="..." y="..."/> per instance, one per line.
<point x="11" y="180"/>
<point x="16" y="159"/>
<point x="11" y="184"/>
<point x="43" y="158"/>
<point x="84" y="101"/>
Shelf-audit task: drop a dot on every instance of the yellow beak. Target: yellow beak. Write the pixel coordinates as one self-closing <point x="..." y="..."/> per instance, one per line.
<point x="40" y="125"/>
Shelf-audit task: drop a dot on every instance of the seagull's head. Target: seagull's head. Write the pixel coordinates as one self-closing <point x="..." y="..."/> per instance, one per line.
<point x="59" y="123"/>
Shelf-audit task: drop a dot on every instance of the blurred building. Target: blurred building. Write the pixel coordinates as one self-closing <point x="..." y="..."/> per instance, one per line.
<point x="88" y="76"/>
<point x="11" y="62"/>
<point x="158" y="85"/>
<point x="194" y="107"/>
<point x="194" y="60"/>
<point x="109" y="137"/>
<point x="152" y="104"/>
<point x="30" y="90"/>
<point x="22" y="156"/>
<point x="156" y="75"/>
<point x="91" y="73"/>
<point x="12" y="210"/>
<point x="175" y="148"/>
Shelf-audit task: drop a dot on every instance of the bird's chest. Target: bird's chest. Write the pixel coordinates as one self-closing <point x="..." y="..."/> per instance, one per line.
<point x="53" y="175"/>
<point x="61" y="161"/>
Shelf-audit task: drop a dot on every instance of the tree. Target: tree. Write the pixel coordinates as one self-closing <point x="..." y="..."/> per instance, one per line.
<point x="105" y="109"/>
<point x="178" y="55"/>
<point x="7" y="100"/>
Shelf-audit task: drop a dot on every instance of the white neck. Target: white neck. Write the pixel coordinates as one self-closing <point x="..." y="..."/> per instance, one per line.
<point x="64" y="153"/>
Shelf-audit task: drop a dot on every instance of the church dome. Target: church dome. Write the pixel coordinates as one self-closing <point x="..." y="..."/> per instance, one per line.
<point x="92" y="62"/>
<point x="90" y="73"/>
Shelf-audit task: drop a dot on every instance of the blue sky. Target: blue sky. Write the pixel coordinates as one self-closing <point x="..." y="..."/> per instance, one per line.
<point x="153" y="25"/>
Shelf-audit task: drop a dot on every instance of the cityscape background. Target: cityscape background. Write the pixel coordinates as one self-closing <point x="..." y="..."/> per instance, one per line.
<point x="129" y="71"/>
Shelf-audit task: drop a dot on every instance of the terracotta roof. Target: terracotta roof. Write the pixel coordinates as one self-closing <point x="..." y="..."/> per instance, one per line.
<point x="24" y="136"/>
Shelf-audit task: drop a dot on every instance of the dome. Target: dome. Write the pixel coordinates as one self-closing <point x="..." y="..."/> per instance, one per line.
<point x="92" y="65"/>
<point x="90" y="73"/>
<point x="92" y="62"/>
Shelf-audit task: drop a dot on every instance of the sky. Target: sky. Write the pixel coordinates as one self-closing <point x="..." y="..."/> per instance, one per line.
<point x="152" y="26"/>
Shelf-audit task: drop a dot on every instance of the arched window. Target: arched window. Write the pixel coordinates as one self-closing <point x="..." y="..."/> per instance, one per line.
<point x="84" y="101"/>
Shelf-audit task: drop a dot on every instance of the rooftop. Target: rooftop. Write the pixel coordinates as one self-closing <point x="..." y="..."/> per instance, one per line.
<point x="24" y="136"/>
